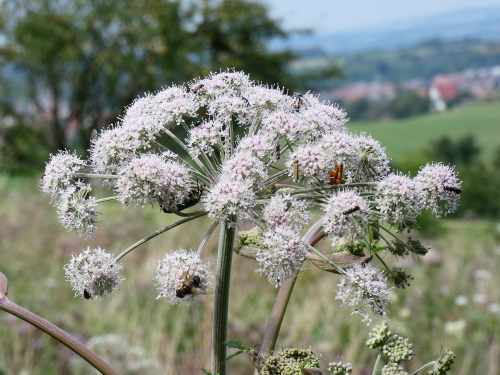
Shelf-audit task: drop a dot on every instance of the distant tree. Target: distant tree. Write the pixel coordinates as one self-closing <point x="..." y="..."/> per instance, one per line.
<point x="462" y="152"/>
<point x="71" y="66"/>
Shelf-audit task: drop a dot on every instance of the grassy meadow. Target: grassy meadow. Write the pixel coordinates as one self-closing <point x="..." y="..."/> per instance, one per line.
<point x="34" y="247"/>
<point x="413" y="135"/>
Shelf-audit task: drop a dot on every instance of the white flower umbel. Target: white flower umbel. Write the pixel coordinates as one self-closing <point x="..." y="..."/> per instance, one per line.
<point x="440" y="186"/>
<point x="373" y="161"/>
<point x="259" y="145"/>
<point x="229" y="197"/>
<point x="362" y="287"/>
<point x="346" y="216"/>
<point x="208" y="136"/>
<point x="150" y="179"/>
<point x="60" y="173"/>
<point x="93" y="273"/>
<point x="283" y="255"/>
<point x="77" y="210"/>
<point x="398" y="198"/>
<point x="181" y="275"/>
<point x="284" y="210"/>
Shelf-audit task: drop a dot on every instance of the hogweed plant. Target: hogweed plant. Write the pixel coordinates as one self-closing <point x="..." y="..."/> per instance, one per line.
<point x="248" y="153"/>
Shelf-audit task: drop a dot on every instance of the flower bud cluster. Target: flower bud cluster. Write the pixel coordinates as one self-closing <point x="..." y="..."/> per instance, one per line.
<point x="339" y="368"/>
<point x="398" y="349"/>
<point x="93" y="273"/>
<point x="393" y="369"/>
<point x="443" y="364"/>
<point x="290" y="361"/>
<point x="379" y="336"/>
<point x="174" y="276"/>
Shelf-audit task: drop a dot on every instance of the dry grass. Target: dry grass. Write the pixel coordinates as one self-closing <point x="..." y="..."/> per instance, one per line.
<point x="34" y="248"/>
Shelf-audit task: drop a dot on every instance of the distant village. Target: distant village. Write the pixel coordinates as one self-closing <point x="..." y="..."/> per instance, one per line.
<point x="470" y="85"/>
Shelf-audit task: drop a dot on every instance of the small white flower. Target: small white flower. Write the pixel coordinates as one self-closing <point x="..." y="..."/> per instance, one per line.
<point x="60" y="173"/>
<point x="77" y="210"/>
<point x="482" y="274"/>
<point x="181" y="275"/>
<point x="93" y="273"/>
<point x="440" y="186"/>
<point x="494" y="307"/>
<point x="364" y="286"/>
<point x="480" y="298"/>
<point x="346" y="216"/>
<point x="283" y="255"/>
<point x="399" y="198"/>
<point x="284" y="210"/>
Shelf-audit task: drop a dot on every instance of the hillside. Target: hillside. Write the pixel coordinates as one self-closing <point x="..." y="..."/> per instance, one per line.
<point x="416" y="134"/>
<point x="423" y="60"/>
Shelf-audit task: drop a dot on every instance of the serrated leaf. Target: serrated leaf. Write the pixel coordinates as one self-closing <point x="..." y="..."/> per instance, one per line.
<point x="254" y="345"/>
<point x="234" y="355"/>
<point x="206" y="372"/>
<point x="234" y="344"/>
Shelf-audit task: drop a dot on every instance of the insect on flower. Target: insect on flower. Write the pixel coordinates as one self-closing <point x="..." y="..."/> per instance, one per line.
<point x="352" y="210"/>
<point x="197" y="123"/>
<point x="453" y="189"/>
<point x="188" y="287"/>
<point x="298" y="102"/>
<point x="278" y="151"/>
<point x="86" y="294"/>
<point x="336" y="175"/>
<point x="197" y="88"/>
<point x="295" y="171"/>
<point x="193" y="198"/>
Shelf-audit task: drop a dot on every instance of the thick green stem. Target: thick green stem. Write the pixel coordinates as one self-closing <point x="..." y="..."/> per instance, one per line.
<point x="221" y="299"/>
<point x="57" y="333"/>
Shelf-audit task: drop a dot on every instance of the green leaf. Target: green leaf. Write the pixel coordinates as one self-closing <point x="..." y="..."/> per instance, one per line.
<point x="377" y="249"/>
<point x="234" y="355"/>
<point x="234" y="344"/>
<point x="254" y="345"/>
<point x="365" y="243"/>
<point x="206" y="372"/>
<point x="369" y="232"/>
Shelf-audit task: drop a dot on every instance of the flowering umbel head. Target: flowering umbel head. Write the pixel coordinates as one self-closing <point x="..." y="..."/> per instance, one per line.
<point x="60" y="173"/>
<point x="181" y="275"/>
<point x="77" y="210"/>
<point x="362" y="287"/>
<point x="93" y="273"/>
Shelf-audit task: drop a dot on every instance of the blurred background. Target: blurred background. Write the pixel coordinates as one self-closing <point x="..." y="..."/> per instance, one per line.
<point x="421" y="77"/>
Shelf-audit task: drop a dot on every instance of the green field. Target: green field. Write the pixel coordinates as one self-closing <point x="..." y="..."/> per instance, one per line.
<point x="416" y="134"/>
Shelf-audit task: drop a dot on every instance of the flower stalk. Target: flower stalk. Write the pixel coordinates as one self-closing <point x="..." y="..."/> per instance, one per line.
<point x="64" y="338"/>
<point x="221" y="299"/>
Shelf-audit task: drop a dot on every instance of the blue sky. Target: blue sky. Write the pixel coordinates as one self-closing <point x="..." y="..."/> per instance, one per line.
<point x="325" y="16"/>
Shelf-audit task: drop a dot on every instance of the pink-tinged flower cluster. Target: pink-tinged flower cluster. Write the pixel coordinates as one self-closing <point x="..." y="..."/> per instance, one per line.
<point x="220" y="84"/>
<point x="286" y="211"/>
<point x="93" y="273"/>
<point x="398" y="198"/>
<point x="230" y="197"/>
<point x="283" y="123"/>
<point x="373" y="163"/>
<point x="175" y="273"/>
<point x="346" y="216"/>
<point x="440" y="187"/>
<point x="60" y="173"/>
<point x="225" y="107"/>
<point x="321" y="118"/>
<point x="77" y="210"/>
<point x="264" y="100"/>
<point x="258" y="144"/>
<point x="283" y="255"/>
<point x="244" y="165"/>
<point x="316" y="160"/>
<point x="150" y="179"/>
<point x="209" y="135"/>
<point x="114" y="147"/>
<point x="362" y="287"/>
